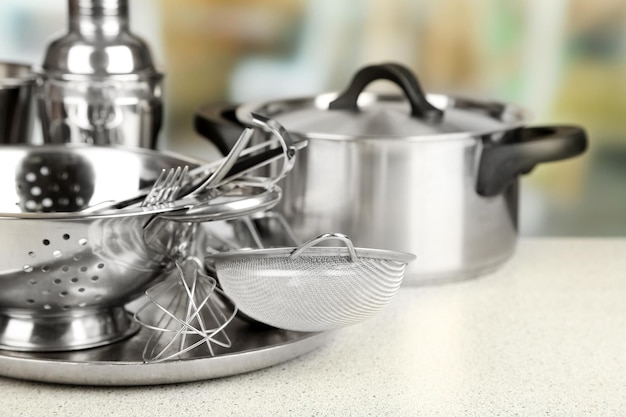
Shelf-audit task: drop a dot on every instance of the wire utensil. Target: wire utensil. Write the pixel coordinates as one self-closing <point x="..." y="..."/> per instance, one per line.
<point x="311" y="288"/>
<point x="185" y="312"/>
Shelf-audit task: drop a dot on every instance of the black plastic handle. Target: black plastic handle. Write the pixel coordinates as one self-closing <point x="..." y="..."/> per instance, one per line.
<point x="396" y="73"/>
<point x="218" y="123"/>
<point x="501" y="163"/>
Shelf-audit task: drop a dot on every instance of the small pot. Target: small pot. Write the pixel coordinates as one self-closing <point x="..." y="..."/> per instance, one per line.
<point x="434" y="175"/>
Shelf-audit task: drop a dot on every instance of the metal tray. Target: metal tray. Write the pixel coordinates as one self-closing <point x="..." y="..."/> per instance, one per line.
<point x="120" y="364"/>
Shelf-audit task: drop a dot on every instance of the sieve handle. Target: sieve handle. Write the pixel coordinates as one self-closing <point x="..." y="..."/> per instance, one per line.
<point x="327" y="236"/>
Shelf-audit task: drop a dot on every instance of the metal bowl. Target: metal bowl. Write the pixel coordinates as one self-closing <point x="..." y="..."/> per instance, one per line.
<point x="65" y="275"/>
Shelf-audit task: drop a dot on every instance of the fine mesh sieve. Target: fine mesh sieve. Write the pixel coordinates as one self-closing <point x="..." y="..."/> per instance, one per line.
<point x="311" y="288"/>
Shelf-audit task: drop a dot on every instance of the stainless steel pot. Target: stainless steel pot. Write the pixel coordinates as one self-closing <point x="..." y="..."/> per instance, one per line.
<point x="433" y="175"/>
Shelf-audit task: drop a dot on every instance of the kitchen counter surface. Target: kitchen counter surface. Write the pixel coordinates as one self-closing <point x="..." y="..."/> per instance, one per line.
<point x="543" y="336"/>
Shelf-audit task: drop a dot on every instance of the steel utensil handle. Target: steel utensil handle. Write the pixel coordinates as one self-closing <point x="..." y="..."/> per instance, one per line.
<point x="289" y="150"/>
<point x="239" y="165"/>
<point x="398" y="74"/>
<point x="327" y="236"/>
<point x="247" y="161"/>
<point x="218" y="175"/>
<point x="502" y="162"/>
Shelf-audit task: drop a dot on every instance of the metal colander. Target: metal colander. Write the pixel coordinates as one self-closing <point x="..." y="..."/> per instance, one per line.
<point x="311" y="288"/>
<point x="65" y="275"/>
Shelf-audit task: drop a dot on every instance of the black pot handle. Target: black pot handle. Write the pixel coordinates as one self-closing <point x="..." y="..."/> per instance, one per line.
<point x="501" y="163"/>
<point x="218" y="123"/>
<point x="396" y="73"/>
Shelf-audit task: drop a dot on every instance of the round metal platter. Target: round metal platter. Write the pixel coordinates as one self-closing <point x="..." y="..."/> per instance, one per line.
<point x="120" y="364"/>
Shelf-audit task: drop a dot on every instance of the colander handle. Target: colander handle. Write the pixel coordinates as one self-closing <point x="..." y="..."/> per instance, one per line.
<point x="327" y="236"/>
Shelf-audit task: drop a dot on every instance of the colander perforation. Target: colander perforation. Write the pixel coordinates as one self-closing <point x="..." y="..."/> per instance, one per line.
<point x="70" y="284"/>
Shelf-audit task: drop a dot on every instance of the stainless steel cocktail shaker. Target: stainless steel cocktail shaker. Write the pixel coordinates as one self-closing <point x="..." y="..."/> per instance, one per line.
<point x="98" y="83"/>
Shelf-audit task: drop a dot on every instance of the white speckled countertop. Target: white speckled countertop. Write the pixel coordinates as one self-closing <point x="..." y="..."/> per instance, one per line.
<point x="543" y="336"/>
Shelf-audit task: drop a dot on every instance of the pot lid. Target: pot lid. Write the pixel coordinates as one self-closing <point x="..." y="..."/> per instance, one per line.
<point x="358" y="114"/>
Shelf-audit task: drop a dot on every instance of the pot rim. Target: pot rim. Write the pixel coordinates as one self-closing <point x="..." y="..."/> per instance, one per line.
<point x="512" y="116"/>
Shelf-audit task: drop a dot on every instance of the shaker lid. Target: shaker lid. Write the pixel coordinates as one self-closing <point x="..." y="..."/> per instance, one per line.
<point x="98" y="42"/>
<point x="355" y="114"/>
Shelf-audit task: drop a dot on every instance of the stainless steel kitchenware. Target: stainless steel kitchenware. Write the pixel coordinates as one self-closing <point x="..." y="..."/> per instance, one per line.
<point x="226" y="165"/>
<point x="311" y="288"/>
<point x="121" y="363"/>
<point x="98" y="83"/>
<point x="66" y="275"/>
<point x="165" y="188"/>
<point x="169" y="185"/>
<point x="175" y="180"/>
<point x="186" y="312"/>
<point x="16" y="90"/>
<point x="180" y="182"/>
<point x="435" y="175"/>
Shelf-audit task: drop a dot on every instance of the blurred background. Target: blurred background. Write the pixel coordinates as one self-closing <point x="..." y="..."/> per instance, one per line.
<point x="565" y="60"/>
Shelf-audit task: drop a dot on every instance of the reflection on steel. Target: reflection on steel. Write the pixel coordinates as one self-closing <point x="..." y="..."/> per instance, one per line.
<point x="98" y="83"/>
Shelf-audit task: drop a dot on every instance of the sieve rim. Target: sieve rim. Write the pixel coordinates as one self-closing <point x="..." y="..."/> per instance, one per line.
<point x="329" y="251"/>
